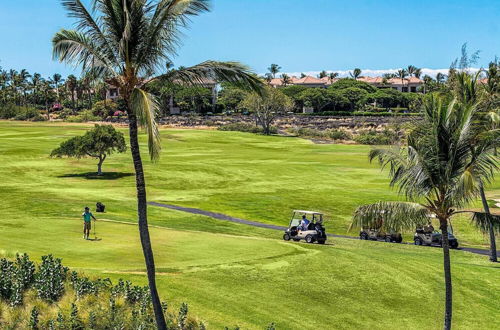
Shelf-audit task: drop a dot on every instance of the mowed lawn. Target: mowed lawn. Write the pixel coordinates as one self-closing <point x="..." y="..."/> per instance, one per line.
<point x="232" y="274"/>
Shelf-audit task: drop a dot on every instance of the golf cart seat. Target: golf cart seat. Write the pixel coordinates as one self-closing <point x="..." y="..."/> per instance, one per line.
<point x="311" y="226"/>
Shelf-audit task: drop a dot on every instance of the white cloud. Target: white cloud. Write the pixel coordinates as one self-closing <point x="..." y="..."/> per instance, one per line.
<point x="375" y="73"/>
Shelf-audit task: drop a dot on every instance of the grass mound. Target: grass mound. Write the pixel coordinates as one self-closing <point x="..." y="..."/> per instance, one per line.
<point x="50" y="296"/>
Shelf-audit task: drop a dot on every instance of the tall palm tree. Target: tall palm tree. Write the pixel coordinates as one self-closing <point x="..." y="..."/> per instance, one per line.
<point x="417" y="73"/>
<point x="322" y="74"/>
<point x="402" y="74"/>
<point x="332" y="76"/>
<point x="411" y="70"/>
<point x="56" y="79"/>
<point x="285" y="79"/>
<point x="71" y="83"/>
<point x="35" y="84"/>
<point x="129" y="41"/>
<point x="432" y="172"/>
<point x="356" y="73"/>
<point x="274" y="69"/>
<point x="484" y="145"/>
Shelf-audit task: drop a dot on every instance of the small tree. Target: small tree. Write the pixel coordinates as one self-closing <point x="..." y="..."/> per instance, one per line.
<point x="99" y="142"/>
<point x="267" y="107"/>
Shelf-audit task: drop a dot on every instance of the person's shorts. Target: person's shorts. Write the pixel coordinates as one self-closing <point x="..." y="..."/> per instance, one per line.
<point x="87" y="225"/>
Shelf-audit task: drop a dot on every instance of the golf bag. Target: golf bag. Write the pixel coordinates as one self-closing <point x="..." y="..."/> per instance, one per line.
<point x="99" y="207"/>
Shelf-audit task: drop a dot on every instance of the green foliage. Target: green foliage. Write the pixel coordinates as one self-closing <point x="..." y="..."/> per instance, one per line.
<point x="230" y="97"/>
<point x="372" y="137"/>
<point x="245" y="127"/>
<point x="104" y="109"/>
<point x="11" y="111"/>
<point x="334" y="134"/>
<point x="50" y="278"/>
<point x="83" y="117"/>
<point x="351" y="83"/>
<point x="354" y="95"/>
<point x="33" y="323"/>
<point x="99" y="142"/>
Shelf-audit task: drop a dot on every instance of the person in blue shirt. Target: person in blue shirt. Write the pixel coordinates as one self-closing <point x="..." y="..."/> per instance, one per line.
<point x="304" y="223"/>
<point x="87" y="218"/>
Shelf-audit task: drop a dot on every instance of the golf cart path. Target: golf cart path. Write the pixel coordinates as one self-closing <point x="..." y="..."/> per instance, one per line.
<point x="224" y="217"/>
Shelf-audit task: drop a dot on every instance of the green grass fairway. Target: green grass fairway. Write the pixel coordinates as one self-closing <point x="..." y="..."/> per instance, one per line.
<point x="232" y="274"/>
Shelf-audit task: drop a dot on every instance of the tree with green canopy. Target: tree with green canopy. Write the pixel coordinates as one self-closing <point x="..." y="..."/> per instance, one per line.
<point x="99" y="143"/>
<point x="267" y="106"/>
<point x="128" y="42"/>
<point x="274" y="69"/>
<point x="434" y="173"/>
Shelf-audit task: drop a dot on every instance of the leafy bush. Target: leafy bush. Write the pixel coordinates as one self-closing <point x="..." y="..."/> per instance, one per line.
<point x="50" y="278"/>
<point x="82" y="117"/>
<point x="334" y="134"/>
<point x="8" y="111"/>
<point x="123" y="306"/>
<point x="372" y="137"/>
<point x="245" y="127"/>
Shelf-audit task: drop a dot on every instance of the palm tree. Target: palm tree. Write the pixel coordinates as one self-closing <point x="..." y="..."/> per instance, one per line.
<point x="128" y="41"/>
<point x="71" y="83"/>
<point x="484" y="145"/>
<point x="274" y="69"/>
<point x="417" y="73"/>
<point x="322" y="74"/>
<point x="56" y="79"/>
<point x="440" y="77"/>
<point x="401" y="74"/>
<point x="35" y="82"/>
<point x="332" y="76"/>
<point x="433" y="173"/>
<point x="356" y="73"/>
<point x="285" y="79"/>
<point x="411" y="70"/>
<point x="303" y="75"/>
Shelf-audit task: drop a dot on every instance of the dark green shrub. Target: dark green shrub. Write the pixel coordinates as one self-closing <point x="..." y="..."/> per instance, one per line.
<point x="82" y="117"/>
<point x="25" y="270"/>
<point x="8" y="111"/>
<point x="49" y="281"/>
<point x="28" y="113"/>
<point x="245" y="127"/>
<point x="372" y="137"/>
<point x="33" y="323"/>
<point x="6" y="278"/>
<point x="338" y="134"/>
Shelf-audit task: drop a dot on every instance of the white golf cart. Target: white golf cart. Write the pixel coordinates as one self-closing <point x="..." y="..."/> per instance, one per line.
<point x="315" y="232"/>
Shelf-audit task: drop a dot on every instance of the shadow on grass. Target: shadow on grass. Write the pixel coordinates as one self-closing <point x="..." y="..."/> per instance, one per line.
<point x="94" y="176"/>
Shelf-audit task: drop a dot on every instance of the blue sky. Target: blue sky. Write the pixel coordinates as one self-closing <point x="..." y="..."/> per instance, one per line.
<point x="299" y="35"/>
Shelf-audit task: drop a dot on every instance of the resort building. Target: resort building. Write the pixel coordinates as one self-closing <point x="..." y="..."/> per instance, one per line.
<point x="410" y="84"/>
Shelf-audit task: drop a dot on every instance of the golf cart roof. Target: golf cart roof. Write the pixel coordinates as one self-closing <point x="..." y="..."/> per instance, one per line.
<point x="306" y="212"/>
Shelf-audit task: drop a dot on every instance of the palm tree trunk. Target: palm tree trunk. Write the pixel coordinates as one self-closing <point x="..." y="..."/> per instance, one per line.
<point x="493" y="245"/>
<point x="143" y="221"/>
<point x="447" y="276"/>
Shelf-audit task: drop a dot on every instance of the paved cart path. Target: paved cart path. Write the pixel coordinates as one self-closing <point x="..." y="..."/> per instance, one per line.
<point x="224" y="217"/>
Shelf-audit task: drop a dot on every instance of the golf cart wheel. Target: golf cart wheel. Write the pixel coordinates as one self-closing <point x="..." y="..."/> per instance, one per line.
<point x="418" y="241"/>
<point x="363" y="236"/>
<point x="309" y="239"/>
<point x="286" y="236"/>
<point x="454" y="245"/>
<point x="321" y="241"/>
<point x="388" y="239"/>
<point x="296" y="239"/>
<point x="399" y="240"/>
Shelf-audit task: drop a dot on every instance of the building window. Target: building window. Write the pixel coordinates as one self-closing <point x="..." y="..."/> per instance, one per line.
<point x="404" y="89"/>
<point x="413" y="89"/>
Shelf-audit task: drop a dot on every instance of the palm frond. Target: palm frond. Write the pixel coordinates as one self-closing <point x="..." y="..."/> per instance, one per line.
<point x="231" y="72"/>
<point x="145" y="107"/>
<point x="483" y="222"/>
<point x="395" y="216"/>
<point x="79" y="49"/>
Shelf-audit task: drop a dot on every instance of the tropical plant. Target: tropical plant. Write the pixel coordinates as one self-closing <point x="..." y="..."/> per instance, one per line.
<point x="128" y="42"/>
<point x="433" y="172"/>
<point x="332" y="76"/>
<point x="56" y="79"/>
<point x="71" y="83"/>
<point x="322" y="74"/>
<point x="355" y="74"/>
<point x="274" y="69"/>
<point x="285" y="79"/>
<point x="402" y="74"/>
<point x="484" y="145"/>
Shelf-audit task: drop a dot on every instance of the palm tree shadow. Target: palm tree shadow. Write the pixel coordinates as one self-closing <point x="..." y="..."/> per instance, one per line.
<point x="94" y="176"/>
